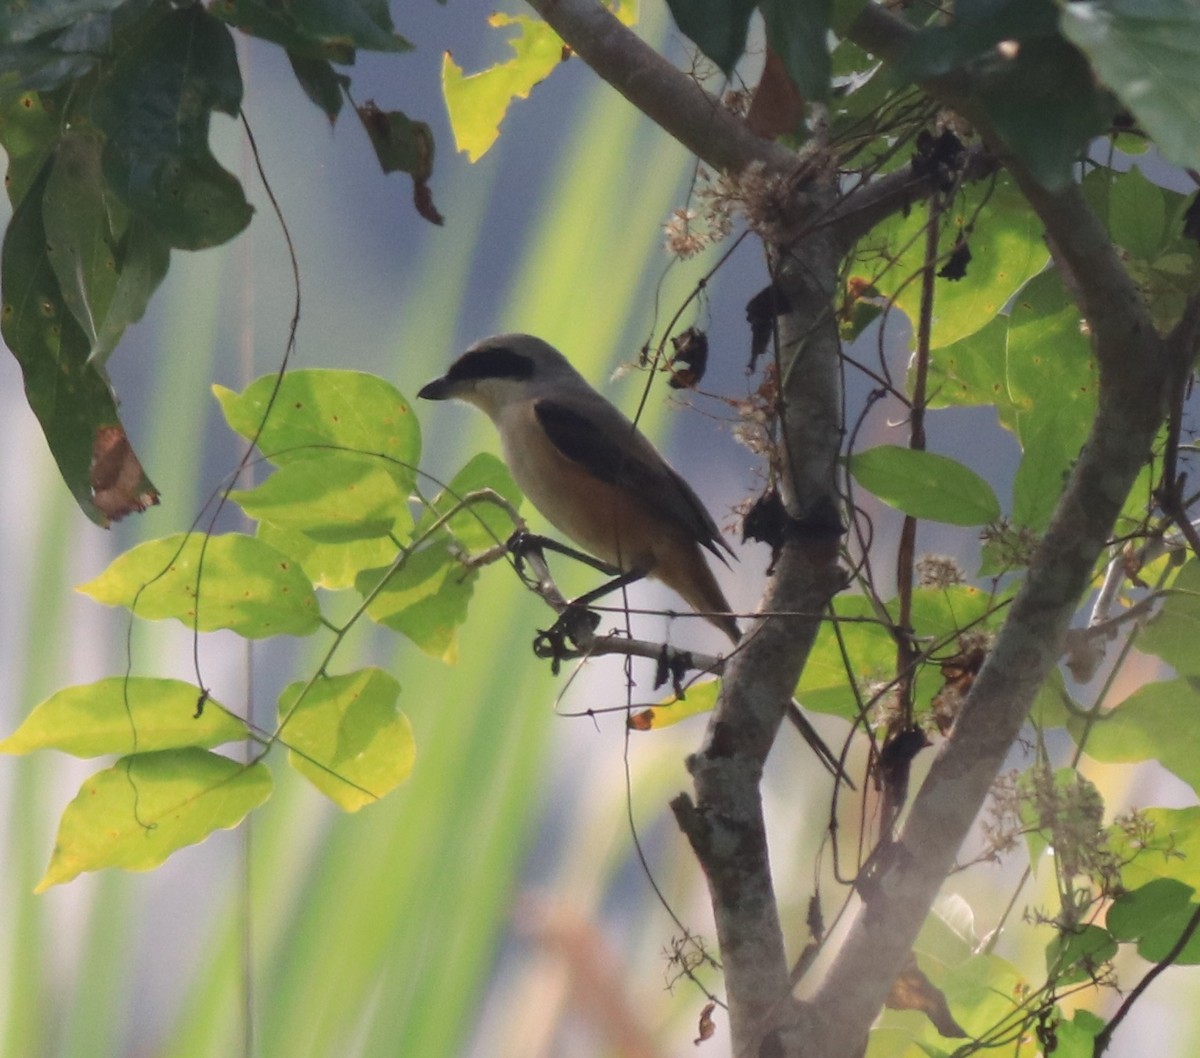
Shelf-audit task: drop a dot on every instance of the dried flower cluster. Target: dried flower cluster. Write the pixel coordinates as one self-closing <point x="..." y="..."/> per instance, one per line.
<point x="939" y="571"/>
<point x="755" y="428"/>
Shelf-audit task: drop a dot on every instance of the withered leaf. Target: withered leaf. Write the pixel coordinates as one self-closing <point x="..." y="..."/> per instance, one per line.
<point x="767" y="521"/>
<point x="955" y="267"/>
<point x="643" y="721"/>
<point x="939" y="158"/>
<point x="777" y="108"/>
<point x="119" y="484"/>
<point x="761" y="312"/>
<point x="959" y="674"/>
<point x="912" y="990"/>
<point x="706" y="1026"/>
<point x="690" y="360"/>
<point x="403" y="145"/>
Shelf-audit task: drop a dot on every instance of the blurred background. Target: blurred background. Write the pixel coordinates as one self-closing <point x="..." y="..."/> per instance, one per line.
<point x="494" y="905"/>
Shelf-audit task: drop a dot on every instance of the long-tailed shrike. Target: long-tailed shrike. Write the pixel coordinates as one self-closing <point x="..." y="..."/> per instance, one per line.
<point x="589" y="470"/>
<point x="595" y="477"/>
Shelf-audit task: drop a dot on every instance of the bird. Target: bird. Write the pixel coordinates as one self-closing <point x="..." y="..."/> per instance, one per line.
<point x="589" y="470"/>
<point x="597" y="479"/>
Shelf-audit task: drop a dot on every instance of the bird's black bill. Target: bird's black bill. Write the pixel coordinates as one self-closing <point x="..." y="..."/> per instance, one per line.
<point x="438" y="389"/>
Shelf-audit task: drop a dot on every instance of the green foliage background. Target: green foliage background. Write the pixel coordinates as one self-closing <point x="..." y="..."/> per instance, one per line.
<point x="373" y="933"/>
<point x="381" y="932"/>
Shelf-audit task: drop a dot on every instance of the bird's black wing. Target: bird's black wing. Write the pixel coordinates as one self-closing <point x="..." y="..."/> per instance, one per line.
<point x="637" y="466"/>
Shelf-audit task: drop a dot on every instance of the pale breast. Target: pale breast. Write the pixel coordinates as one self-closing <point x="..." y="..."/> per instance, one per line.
<point x="595" y="515"/>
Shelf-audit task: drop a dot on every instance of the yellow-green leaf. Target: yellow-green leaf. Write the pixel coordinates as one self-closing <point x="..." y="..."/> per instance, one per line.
<point x="332" y="566"/>
<point x="478" y="102"/>
<point x="425" y="599"/>
<point x="319" y="410"/>
<point x="1007" y="249"/>
<point x="136" y="813"/>
<point x="247" y="586"/>
<point x="333" y="497"/>
<point x="119" y="715"/>
<point x="701" y="698"/>
<point x="481" y="525"/>
<point x="347" y="737"/>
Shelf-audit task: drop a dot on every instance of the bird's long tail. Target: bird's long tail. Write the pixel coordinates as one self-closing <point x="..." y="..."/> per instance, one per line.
<point x="825" y="755"/>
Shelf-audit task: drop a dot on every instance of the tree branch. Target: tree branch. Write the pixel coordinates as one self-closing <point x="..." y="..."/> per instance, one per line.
<point x="725" y="824"/>
<point x="1135" y="368"/>
<point x="664" y="94"/>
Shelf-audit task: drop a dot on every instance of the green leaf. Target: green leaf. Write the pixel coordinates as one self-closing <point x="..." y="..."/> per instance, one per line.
<point x="28" y="135"/>
<point x="1155" y="915"/>
<point x="1146" y="222"/>
<point x="482" y="525"/>
<point x="1050" y="449"/>
<point x="925" y="485"/>
<point x="1149" y="725"/>
<point x="1136" y="213"/>
<point x="106" y="266"/>
<point x="1147" y="52"/>
<point x="1040" y="95"/>
<point x="978" y="26"/>
<point x="1077" y="1038"/>
<point x="425" y="599"/>
<point x="321" y="83"/>
<point x="1049" y="363"/>
<point x="24" y="21"/>
<point x="1046" y="106"/>
<point x="1170" y="850"/>
<point x="797" y="31"/>
<point x="334" y="497"/>
<point x="1007" y="251"/>
<point x="247" y="586"/>
<point x="333" y="566"/>
<point x="154" y="109"/>
<point x="317" y="29"/>
<point x="844" y="14"/>
<point x="717" y="27"/>
<point x="971" y="371"/>
<point x="825" y="684"/>
<point x="67" y="391"/>
<point x="124" y="715"/>
<point x="1053" y="384"/>
<point x="1051" y="707"/>
<point x="319" y="409"/>
<point x="49" y="61"/>
<point x="136" y="813"/>
<point x="477" y="103"/>
<point x="1172" y="632"/>
<point x="1079" y="955"/>
<point x="347" y="737"/>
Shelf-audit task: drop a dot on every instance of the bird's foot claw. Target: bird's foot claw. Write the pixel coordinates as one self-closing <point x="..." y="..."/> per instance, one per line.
<point x="575" y="625"/>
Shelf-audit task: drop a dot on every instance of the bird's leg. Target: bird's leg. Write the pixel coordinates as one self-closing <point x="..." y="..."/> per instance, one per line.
<point x="522" y="542"/>
<point x="576" y="623"/>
